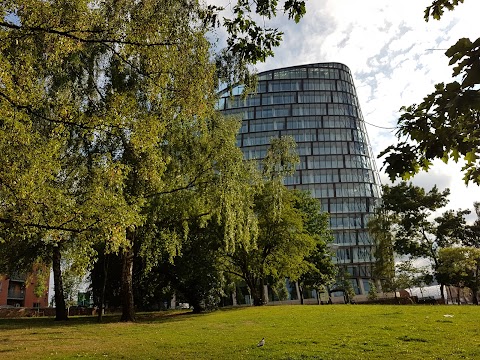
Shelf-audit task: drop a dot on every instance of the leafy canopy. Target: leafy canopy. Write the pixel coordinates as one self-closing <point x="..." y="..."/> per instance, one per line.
<point x="446" y="124"/>
<point x="403" y="224"/>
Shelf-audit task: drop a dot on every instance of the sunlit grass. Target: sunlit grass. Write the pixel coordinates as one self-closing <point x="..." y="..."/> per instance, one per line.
<point x="291" y="332"/>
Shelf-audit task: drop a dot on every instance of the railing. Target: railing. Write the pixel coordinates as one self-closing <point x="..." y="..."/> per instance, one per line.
<point x="17" y="295"/>
<point x="16" y="276"/>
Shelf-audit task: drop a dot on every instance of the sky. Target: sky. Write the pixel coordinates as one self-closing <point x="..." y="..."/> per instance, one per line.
<point x="395" y="58"/>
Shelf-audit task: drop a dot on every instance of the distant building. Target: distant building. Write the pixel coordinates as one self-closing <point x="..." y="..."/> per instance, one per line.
<point x="18" y="290"/>
<point x="317" y="105"/>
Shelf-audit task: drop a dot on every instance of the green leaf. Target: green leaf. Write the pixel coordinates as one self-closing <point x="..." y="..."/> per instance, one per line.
<point x="472" y="77"/>
<point x="470" y="157"/>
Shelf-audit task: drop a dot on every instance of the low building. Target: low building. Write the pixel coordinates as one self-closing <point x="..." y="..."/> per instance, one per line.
<point x="18" y="290"/>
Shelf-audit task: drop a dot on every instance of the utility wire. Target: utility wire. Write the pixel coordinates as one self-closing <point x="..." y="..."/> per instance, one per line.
<point x="381" y="127"/>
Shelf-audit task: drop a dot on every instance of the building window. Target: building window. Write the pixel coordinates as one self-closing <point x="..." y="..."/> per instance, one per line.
<point x="305" y="135"/>
<point x="319" y="176"/>
<point x="319" y="85"/>
<point x="335" y="135"/>
<point x="345" y="86"/>
<point x="281" y="98"/>
<point x="342" y="109"/>
<point x="292" y="85"/>
<point x="297" y="73"/>
<point x="323" y="73"/>
<point x="269" y="111"/>
<point x="339" y="122"/>
<point x="267" y="125"/>
<point x="315" y="97"/>
<point x="305" y="122"/>
<point x="309" y="109"/>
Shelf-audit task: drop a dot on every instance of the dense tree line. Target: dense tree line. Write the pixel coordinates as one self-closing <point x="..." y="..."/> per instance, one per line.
<point x="404" y="225"/>
<point x="111" y="149"/>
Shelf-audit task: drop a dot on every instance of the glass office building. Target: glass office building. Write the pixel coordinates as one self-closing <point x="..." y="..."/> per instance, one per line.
<point x="317" y="105"/>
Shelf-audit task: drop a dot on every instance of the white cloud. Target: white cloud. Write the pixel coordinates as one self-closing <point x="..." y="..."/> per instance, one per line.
<point x="386" y="45"/>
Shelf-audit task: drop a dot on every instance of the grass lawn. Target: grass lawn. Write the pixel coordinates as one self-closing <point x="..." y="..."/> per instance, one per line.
<point x="291" y="332"/>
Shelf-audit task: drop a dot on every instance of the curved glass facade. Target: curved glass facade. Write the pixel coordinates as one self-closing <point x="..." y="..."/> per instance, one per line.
<point x="317" y="105"/>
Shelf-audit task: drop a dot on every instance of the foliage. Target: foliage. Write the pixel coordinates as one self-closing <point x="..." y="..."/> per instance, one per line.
<point x="436" y="10"/>
<point x="379" y="227"/>
<point x="404" y="215"/>
<point x="461" y="267"/>
<point x="409" y="276"/>
<point x="281" y="246"/>
<point x="320" y="270"/>
<point x="81" y="85"/>
<point x="95" y="139"/>
<point x="289" y="227"/>
<point x="345" y="283"/>
<point x="72" y="277"/>
<point x="372" y="291"/>
<point x="109" y="265"/>
<point x="279" y="289"/>
<point x="107" y="108"/>
<point x="446" y="124"/>
<point x="472" y="237"/>
<point x="249" y="37"/>
<point x="196" y="274"/>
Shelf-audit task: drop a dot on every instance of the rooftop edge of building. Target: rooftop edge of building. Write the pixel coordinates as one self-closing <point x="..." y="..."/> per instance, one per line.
<point x="327" y="64"/>
<point x="268" y="75"/>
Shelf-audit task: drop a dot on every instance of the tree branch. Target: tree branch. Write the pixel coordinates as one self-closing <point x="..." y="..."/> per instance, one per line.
<point x="71" y="34"/>
<point x="30" y="111"/>
<point x="47" y="227"/>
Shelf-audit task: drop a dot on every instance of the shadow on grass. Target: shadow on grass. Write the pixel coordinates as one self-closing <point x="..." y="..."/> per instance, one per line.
<point x="142" y="317"/>
<point x="407" y="338"/>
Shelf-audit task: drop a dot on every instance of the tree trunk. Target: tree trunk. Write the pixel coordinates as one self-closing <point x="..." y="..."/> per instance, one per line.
<point x="60" y="308"/>
<point x="198" y="306"/>
<point x="255" y="291"/>
<point x="257" y="298"/>
<point x="264" y="292"/>
<point x="104" y="285"/>
<point x="442" y="292"/>
<point x="300" y="288"/>
<point x="474" y="297"/>
<point x="128" y="308"/>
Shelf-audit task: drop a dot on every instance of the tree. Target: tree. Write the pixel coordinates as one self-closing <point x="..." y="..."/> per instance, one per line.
<point x="88" y="106"/>
<point x="94" y="101"/>
<point x="105" y="281"/>
<point x="472" y="237"/>
<point x="372" y="291"/>
<point x="320" y="270"/>
<point x="280" y="248"/>
<point x="345" y="285"/>
<point x="404" y="213"/>
<point x="250" y="39"/>
<point x="72" y="279"/>
<point x="380" y="227"/>
<point x="446" y="124"/>
<point x="283" y="242"/>
<point x="409" y="276"/>
<point x="460" y="267"/>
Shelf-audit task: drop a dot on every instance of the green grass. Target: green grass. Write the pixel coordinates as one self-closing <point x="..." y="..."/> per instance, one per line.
<point x="291" y="332"/>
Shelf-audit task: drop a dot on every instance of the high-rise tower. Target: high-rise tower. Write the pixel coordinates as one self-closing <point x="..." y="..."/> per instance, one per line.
<point x="317" y="105"/>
